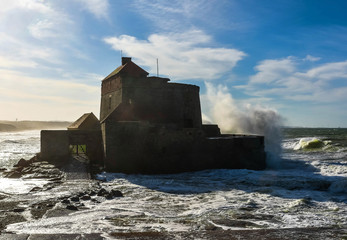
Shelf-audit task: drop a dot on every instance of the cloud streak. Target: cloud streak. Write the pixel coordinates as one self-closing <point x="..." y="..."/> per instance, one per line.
<point x="99" y="8"/>
<point x="287" y="79"/>
<point x="183" y="55"/>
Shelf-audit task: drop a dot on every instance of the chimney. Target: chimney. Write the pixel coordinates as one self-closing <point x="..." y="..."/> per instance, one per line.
<point x="125" y="60"/>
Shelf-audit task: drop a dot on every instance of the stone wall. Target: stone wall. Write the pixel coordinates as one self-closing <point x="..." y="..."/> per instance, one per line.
<point x="55" y="144"/>
<point x="109" y="102"/>
<point x="137" y="147"/>
<point x="155" y="100"/>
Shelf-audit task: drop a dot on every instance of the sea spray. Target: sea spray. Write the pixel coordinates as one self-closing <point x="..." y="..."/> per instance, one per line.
<point x="221" y="108"/>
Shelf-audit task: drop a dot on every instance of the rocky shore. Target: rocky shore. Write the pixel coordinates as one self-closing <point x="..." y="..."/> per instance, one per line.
<point x="68" y="189"/>
<point x="72" y="179"/>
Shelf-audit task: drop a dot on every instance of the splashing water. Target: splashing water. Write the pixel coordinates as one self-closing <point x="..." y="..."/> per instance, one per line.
<point x="252" y="120"/>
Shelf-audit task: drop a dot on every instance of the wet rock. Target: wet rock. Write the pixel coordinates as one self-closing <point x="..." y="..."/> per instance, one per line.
<point x="102" y="192"/>
<point x="92" y="193"/>
<point x="113" y="194"/>
<point x="40" y="208"/>
<point x="22" y="163"/>
<point x="85" y="197"/>
<point x="18" y="210"/>
<point x="13" y="174"/>
<point x="95" y="201"/>
<point x="10" y="218"/>
<point x="109" y="195"/>
<point x="28" y="170"/>
<point x="72" y="207"/>
<point x="35" y="189"/>
<point x="65" y="201"/>
<point x="75" y="199"/>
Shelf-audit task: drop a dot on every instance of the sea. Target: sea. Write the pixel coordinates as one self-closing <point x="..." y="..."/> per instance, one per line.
<point x="307" y="188"/>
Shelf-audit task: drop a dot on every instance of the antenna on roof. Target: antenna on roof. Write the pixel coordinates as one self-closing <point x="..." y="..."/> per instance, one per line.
<point x="157" y="68"/>
<point x="121" y="54"/>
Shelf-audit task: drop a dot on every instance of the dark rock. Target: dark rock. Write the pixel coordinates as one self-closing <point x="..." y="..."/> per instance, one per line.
<point x="92" y="193"/>
<point x="80" y="194"/>
<point x="86" y="197"/>
<point x="65" y="201"/>
<point x="22" y="163"/>
<point x="94" y="200"/>
<point x="19" y="210"/>
<point x="38" y="209"/>
<point x="109" y="196"/>
<point x="102" y="192"/>
<point x="56" y="179"/>
<point x="13" y="174"/>
<point x="75" y="199"/>
<point x="10" y="218"/>
<point x="72" y="207"/>
<point x="3" y="169"/>
<point x="28" y="170"/>
<point x="35" y="189"/>
<point x="113" y="194"/>
<point x="116" y="193"/>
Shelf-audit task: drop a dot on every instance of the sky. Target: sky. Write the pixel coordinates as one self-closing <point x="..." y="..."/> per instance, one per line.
<point x="288" y="57"/>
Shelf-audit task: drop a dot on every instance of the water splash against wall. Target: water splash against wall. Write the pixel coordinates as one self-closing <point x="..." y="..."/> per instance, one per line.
<point x="231" y="118"/>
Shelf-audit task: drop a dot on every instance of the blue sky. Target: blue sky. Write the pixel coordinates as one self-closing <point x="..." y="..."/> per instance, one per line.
<point x="286" y="56"/>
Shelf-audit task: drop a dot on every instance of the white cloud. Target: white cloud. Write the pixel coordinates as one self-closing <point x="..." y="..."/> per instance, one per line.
<point x="170" y="15"/>
<point x="270" y="71"/>
<point x="329" y="71"/>
<point x="32" y="5"/>
<point x="311" y="58"/>
<point x="32" y="31"/>
<point x="180" y="55"/>
<point x="6" y="62"/>
<point x="37" y="38"/>
<point x="180" y="15"/>
<point x="99" y="8"/>
<point x="286" y="79"/>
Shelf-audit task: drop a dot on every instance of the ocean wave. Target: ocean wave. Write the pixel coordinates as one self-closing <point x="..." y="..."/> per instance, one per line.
<point x="312" y="144"/>
<point x="339" y="186"/>
<point x="10" y="142"/>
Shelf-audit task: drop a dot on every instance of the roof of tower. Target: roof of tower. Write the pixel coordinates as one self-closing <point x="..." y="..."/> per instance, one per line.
<point x="128" y="67"/>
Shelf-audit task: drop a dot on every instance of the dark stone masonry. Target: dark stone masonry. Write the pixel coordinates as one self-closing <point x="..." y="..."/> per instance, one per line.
<point x="151" y="126"/>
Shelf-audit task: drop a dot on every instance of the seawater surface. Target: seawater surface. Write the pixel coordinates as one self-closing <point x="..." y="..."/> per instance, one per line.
<point x="309" y="189"/>
<point x="17" y="145"/>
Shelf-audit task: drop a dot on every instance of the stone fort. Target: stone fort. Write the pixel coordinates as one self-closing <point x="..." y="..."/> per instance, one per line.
<point x="150" y="125"/>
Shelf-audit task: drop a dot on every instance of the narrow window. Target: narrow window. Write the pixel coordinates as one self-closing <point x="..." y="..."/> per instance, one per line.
<point x="109" y="102"/>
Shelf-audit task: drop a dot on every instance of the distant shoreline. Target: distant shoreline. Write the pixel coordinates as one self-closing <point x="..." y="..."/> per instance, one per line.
<point x="17" y="126"/>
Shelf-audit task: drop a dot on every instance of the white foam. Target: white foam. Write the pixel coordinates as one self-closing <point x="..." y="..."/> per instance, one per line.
<point x="308" y="192"/>
<point x="19" y="186"/>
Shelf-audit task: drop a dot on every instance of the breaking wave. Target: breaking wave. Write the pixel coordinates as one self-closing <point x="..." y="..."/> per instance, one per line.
<point x="231" y="118"/>
<point x="311" y="144"/>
